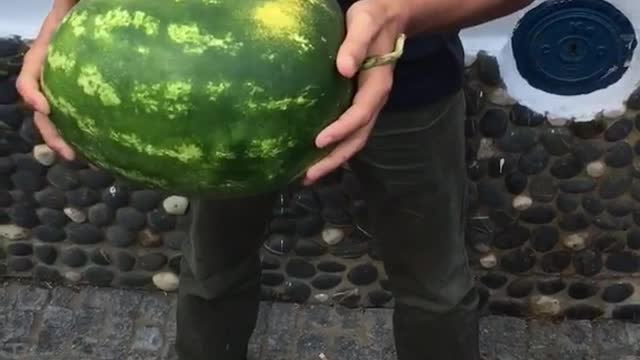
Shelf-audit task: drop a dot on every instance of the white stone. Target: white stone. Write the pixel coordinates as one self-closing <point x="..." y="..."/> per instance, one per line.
<point x="576" y="241"/>
<point x="166" y="281"/>
<point x="489" y="261"/>
<point x="332" y="236"/>
<point x="470" y="59"/>
<point x="501" y="97"/>
<point x="44" y="154"/>
<point x="522" y="202"/>
<point x="13" y="232"/>
<point x="596" y="169"/>
<point x="73" y="276"/>
<point x="545" y="305"/>
<point x="76" y="215"/>
<point x="321" y="297"/>
<point x="487" y="149"/>
<point x="176" y="205"/>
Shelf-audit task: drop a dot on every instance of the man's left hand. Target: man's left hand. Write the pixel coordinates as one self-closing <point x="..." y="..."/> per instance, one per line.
<point x="373" y="26"/>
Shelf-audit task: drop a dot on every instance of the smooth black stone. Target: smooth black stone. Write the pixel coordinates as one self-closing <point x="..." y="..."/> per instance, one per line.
<point x="618" y="130"/>
<point x="479" y="238"/>
<point x="63" y="177"/>
<point x="363" y="274"/>
<point x="26" y="162"/>
<point x="175" y="263"/>
<point x="270" y="262"/>
<point x="476" y="170"/>
<point x="523" y="116"/>
<point x="46" y="273"/>
<point x="567" y="202"/>
<point x="608" y="243"/>
<point x="475" y="101"/>
<point x="11" y="143"/>
<point x="74" y="257"/>
<point x="491" y="194"/>
<point x="520" y="288"/>
<point x="573" y="222"/>
<point x="534" y="160"/>
<point x="326" y="281"/>
<point x="608" y="222"/>
<point x="130" y="218"/>
<point x="8" y="92"/>
<point x="308" y="247"/>
<point x="379" y="297"/>
<point x="7" y="165"/>
<point x="511" y="237"/>
<point x="84" y="234"/>
<point x="620" y="207"/>
<point x="120" y="236"/>
<point x="538" y="214"/>
<point x="332" y="196"/>
<point x="27" y="181"/>
<point x="152" y="261"/>
<point x="116" y="196"/>
<point x="299" y="268"/>
<point x="46" y="254"/>
<point x="614" y="185"/>
<point x="49" y="233"/>
<point x="52" y="217"/>
<point x="555" y="262"/>
<point x="297" y="292"/>
<point x="623" y="262"/>
<point x="100" y="256"/>
<point x="588" y="150"/>
<point x="161" y="221"/>
<point x="566" y="167"/>
<point x="494" y="123"/>
<point x="99" y="276"/>
<point x="626" y="313"/>
<point x="543" y="188"/>
<point x="516" y="182"/>
<point x="23" y="214"/>
<point x="577" y="185"/>
<point x="100" y="215"/>
<point x="29" y="133"/>
<point x="4" y="217"/>
<point x="617" y="293"/>
<point x="488" y="69"/>
<point x="557" y="141"/>
<point x="587" y="263"/>
<point x="271" y="279"/>
<point x="633" y="239"/>
<point x="145" y="200"/>
<point x="588" y="129"/>
<point x="305" y="201"/>
<point x="517" y="140"/>
<point x="52" y="198"/>
<point x="337" y="216"/>
<point x="619" y="155"/>
<point x="19" y="249"/>
<point x="280" y="243"/>
<point x="633" y="103"/>
<point x="175" y="239"/>
<point x="5" y="198"/>
<point x="544" y="238"/>
<point x="503" y="217"/>
<point x="592" y="204"/>
<point x="331" y="267"/>
<point x="134" y="279"/>
<point x="96" y="179"/>
<point x="518" y="260"/>
<point x="499" y="166"/>
<point x="309" y="225"/>
<point x="11" y="115"/>
<point x="283" y="225"/>
<point x="82" y="197"/>
<point x="19" y="264"/>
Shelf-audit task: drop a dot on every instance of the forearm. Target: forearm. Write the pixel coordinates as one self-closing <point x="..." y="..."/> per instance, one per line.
<point x="58" y="11"/>
<point x="427" y="16"/>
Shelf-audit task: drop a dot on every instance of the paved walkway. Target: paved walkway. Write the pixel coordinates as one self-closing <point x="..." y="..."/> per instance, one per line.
<point x="90" y="323"/>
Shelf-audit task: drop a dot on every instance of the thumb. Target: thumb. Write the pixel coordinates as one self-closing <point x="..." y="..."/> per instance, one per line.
<point x="362" y="27"/>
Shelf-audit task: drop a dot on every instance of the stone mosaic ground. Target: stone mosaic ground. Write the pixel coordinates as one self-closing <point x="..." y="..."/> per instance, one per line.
<point x="45" y="323"/>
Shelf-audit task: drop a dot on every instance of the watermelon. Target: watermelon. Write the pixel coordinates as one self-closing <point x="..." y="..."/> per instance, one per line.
<point x="220" y="98"/>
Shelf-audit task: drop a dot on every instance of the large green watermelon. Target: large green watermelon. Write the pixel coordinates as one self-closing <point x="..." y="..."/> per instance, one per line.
<point x="212" y="97"/>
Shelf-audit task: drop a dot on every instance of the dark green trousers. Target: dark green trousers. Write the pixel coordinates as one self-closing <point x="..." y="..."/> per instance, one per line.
<point x="413" y="175"/>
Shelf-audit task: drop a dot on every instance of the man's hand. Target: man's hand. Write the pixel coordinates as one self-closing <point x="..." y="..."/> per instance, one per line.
<point x="373" y="26"/>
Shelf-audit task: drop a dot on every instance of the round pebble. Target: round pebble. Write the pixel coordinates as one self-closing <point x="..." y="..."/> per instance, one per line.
<point x="134" y="279"/>
<point x="518" y="140"/>
<point x="76" y="215"/>
<point x="24" y="215"/>
<point x="84" y="234"/>
<point x="152" y="261"/>
<point x="175" y="205"/>
<point x="619" y="130"/>
<point x="596" y="169"/>
<point x="309" y="247"/>
<point x="82" y="197"/>
<point x="51" y="197"/>
<point x="566" y="167"/>
<point x="145" y="200"/>
<point x="576" y="241"/>
<point x="27" y="181"/>
<point x="567" y="203"/>
<point x="557" y="141"/>
<point x="44" y="154"/>
<point x="99" y="276"/>
<point x="96" y="179"/>
<point x="363" y="274"/>
<point x="326" y="281"/>
<point x="332" y="236"/>
<point x="534" y="160"/>
<point x="523" y="116"/>
<point x="614" y="185"/>
<point x="73" y="276"/>
<point x="116" y="196"/>
<point x="619" y="155"/>
<point x="542" y="305"/>
<point x="13" y="232"/>
<point x="49" y="233"/>
<point x="100" y="215"/>
<point x="544" y="238"/>
<point x="130" y="218"/>
<point x="19" y="249"/>
<point x="489" y="261"/>
<point x="62" y="177"/>
<point x="19" y="264"/>
<point x="73" y="257"/>
<point x="46" y="273"/>
<point x="124" y="261"/>
<point x="511" y="237"/>
<point x="516" y="182"/>
<point x="119" y="236"/>
<point x="149" y="239"/>
<point x="297" y="292"/>
<point x="46" y="253"/>
<point x="493" y="123"/>
<point x="587" y="262"/>
<point x="331" y="267"/>
<point x="588" y="150"/>
<point x="100" y="256"/>
<point x="52" y="217"/>
<point x="518" y="260"/>
<point x="299" y="268"/>
<point x="166" y="281"/>
<point x="160" y="220"/>
<point x="573" y="222"/>
<point x="538" y="214"/>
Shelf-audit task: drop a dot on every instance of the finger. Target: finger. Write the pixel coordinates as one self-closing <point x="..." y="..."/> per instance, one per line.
<point x="362" y="27"/>
<point x="29" y="90"/>
<point x="341" y="154"/>
<point x="51" y="137"/>
<point x="372" y="94"/>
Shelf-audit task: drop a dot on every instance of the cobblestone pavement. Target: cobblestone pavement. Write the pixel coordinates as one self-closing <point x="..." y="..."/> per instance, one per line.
<point x="43" y="323"/>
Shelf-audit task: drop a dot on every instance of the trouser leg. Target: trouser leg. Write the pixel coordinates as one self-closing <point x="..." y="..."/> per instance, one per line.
<point x="413" y="176"/>
<point x="219" y="293"/>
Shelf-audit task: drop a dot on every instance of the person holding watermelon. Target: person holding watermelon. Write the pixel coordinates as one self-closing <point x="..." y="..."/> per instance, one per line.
<point x="404" y="138"/>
